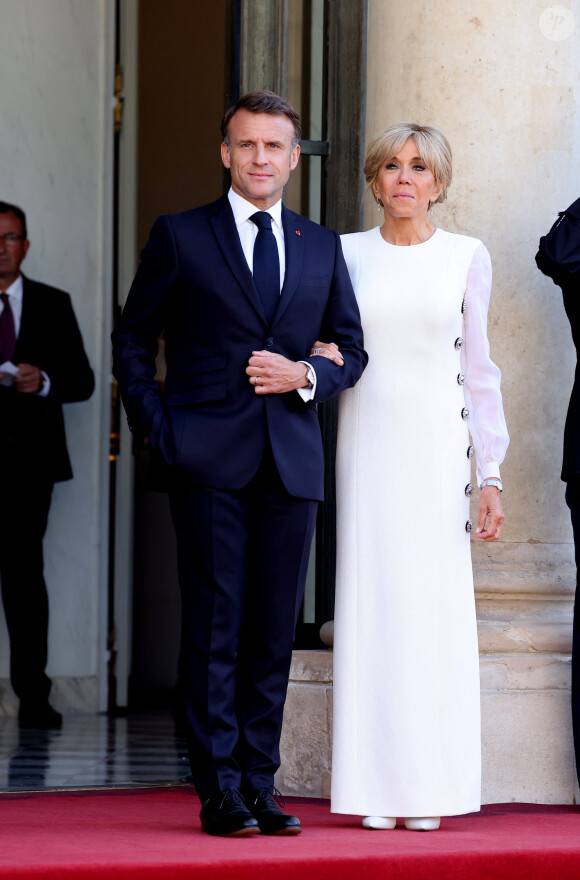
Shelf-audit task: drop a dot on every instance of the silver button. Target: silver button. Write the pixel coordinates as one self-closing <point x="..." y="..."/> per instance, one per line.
<point x="460" y="378"/>
<point x="463" y="307"/>
<point x="470" y="451"/>
<point x="464" y="413"/>
<point x="468" y="526"/>
<point x="459" y="342"/>
<point x="469" y="490"/>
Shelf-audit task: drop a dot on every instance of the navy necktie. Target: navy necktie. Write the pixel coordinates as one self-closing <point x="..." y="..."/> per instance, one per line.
<point x="266" y="264"/>
<point x="7" y="331"/>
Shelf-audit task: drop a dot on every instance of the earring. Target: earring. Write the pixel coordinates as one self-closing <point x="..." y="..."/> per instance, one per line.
<point x="379" y="203"/>
<point x="431" y="208"/>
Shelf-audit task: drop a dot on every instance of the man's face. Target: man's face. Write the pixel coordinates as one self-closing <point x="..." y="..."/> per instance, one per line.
<point x="260" y="156"/>
<point x="12" y="250"/>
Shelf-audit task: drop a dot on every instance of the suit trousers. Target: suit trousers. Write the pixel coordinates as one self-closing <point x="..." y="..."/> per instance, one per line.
<point x="26" y="496"/>
<point x="573" y="502"/>
<point x="242" y="560"/>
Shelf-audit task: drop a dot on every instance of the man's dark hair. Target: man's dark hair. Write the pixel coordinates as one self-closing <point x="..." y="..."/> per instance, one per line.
<point x="7" y="208"/>
<point x="263" y="102"/>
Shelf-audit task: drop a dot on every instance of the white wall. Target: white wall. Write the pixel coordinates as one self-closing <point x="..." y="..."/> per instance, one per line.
<point x="56" y="71"/>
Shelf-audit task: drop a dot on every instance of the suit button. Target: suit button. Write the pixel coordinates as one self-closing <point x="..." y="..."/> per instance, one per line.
<point x="463" y="307"/>
<point x="470" y="451"/>
<point x="460" y="379"/>
<point x="459" y="343"/>
<point x="468" y="526"/>
<point x="270" y="341"/>
<point x="469" y="490"/>
<point x="464" y="413"/>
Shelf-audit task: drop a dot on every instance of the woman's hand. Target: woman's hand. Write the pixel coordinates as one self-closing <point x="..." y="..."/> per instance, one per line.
<point x="328" y="350"/>
<point x="489" y="508"/>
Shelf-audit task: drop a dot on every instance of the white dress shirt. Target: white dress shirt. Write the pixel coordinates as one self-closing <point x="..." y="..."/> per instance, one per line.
<point x="15" y="296"/>
<point x="247" y="230"/>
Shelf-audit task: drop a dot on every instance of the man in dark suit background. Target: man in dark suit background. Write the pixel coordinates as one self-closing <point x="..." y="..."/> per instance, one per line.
<point x="242" y="288"/>
<point x="39" y="336"/>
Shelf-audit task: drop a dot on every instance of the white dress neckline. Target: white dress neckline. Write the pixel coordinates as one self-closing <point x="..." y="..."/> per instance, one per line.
<point x="407" y="247"/>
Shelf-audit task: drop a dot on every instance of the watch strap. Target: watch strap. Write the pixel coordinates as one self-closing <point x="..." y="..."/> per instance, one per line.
<point x="496" y="483"/>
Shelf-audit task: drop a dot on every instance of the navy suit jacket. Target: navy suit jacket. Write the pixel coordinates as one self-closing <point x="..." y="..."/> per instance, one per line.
<point x="194" y="283"/>
<point x="49" y="338"/>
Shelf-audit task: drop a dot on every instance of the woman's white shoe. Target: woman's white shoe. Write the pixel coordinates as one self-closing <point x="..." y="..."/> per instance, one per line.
<point x="423" y="823"/>
<point x="379" y="823"/>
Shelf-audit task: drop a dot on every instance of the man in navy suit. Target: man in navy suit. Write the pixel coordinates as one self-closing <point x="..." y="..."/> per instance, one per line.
<point x="238" y="426"/>
<point x="40" y="337"/>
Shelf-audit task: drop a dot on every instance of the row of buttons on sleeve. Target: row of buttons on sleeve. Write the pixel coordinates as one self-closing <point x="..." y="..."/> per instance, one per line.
<point x="459" y="343"/>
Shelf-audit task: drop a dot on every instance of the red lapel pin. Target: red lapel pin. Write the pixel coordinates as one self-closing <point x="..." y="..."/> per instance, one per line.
<point x="297" y="232"/>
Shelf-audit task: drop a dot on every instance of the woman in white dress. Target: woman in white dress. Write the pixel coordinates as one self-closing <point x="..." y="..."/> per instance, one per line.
<point x="406" y="737"/>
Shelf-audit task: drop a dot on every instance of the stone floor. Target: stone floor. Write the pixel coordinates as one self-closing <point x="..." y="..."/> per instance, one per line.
<point x="93" y="751"/>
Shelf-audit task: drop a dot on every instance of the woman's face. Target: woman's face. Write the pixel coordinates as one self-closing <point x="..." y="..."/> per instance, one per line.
<point x="405" y="185"/>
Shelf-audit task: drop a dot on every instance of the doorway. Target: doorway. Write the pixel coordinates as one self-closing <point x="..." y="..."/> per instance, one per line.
<point x="174" y="58"/>
<point x="191" y="60"/>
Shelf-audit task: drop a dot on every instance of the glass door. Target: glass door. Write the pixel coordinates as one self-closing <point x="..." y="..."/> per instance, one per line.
<point x="313" y="52"/>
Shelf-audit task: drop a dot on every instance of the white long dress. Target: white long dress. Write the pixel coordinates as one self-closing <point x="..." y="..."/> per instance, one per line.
<point x="406" y="732"/>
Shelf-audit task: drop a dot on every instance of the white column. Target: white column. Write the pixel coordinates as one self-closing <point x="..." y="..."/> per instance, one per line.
<point x="501" y="79"/>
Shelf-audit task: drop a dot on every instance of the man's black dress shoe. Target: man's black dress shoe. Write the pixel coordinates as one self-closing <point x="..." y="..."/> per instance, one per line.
<point x="225" y="815"/>
<point x="40" y="717"/>
<point x="265" y="808"/>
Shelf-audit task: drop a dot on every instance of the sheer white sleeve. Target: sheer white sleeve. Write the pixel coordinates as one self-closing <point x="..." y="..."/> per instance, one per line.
<point x="482" y="377"/>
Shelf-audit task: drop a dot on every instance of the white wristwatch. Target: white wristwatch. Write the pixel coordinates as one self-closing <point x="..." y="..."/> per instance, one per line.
<point x="496" y="483"/>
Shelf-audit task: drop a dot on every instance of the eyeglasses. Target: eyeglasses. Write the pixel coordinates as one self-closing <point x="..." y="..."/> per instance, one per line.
<point x="11" y="237"/>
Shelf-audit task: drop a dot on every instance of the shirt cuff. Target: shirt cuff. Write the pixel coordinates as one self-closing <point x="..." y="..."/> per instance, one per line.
<point x="308" y="393"/>
<point x="45" y="388"/>
<point x="489" y="469"/>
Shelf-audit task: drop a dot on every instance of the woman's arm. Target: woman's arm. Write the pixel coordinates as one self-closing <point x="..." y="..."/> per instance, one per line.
<point x="483" y="396"/>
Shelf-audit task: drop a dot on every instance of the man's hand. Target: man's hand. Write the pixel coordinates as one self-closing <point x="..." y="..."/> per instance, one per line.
<point x="274" y="374"/>
<point x="29" y="379"/>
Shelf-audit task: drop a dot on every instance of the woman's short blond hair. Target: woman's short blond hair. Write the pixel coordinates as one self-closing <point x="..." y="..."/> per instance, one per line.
<point x="432" y="146"/>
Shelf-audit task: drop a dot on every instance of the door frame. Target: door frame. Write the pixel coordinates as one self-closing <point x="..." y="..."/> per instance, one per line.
<point x="121" y="568"/>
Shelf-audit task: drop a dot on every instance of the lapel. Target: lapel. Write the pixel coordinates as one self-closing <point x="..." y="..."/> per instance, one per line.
<point x="224" y="227"/>
<point x="294" y="239"/>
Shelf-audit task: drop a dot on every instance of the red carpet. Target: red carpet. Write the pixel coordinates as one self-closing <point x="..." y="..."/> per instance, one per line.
<point x="113" y="835"/>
